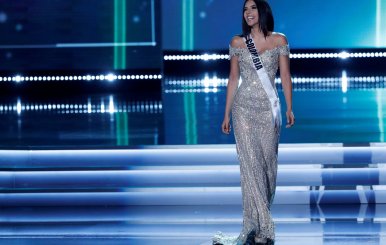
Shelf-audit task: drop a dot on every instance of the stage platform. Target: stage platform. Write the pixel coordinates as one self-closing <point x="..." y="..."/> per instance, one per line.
<point x="326" y="194"/>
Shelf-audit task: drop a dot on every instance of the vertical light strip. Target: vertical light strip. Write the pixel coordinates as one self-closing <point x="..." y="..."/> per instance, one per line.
<point x="116" y="34"/>
<point x="193" y="124"/>
<point x="191" y="25"/>
<point x="344" y="82"/>
<point x="118" y="128"/>
<point x="126" y="128"/>
<point x="382" y="20"/>
<point x="119" y="34"/>
<point x="190" y="118"/>
<point x="123" y="38"/>
<point x="122" y="129"/>
<point x="380" y="41"/>
<point x="378" y="24"/>
<point x="184" y="31"/>
<point x="381" y="123"/>
<point x="152" y="22"/>
<point x="187" y="25"/>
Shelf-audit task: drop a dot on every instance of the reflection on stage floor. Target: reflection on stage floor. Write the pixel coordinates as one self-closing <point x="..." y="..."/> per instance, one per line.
<point x="190" y="112"/>
<point x="190" y="225"/>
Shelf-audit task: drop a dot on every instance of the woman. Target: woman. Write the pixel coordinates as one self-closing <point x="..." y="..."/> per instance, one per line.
<point x="256" y="117"/>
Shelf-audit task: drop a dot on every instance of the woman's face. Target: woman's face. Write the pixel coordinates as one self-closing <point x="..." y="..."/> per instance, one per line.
<point x="251" y="15"/>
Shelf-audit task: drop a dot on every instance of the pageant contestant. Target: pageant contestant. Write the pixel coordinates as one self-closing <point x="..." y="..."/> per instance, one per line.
<point x="256" y="56"/>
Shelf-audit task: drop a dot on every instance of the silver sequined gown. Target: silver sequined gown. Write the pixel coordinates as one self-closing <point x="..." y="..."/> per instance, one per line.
<point x="256" y="142"/>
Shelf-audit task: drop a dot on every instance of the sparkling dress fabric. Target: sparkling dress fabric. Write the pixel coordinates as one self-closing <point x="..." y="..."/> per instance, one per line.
<point x="257" y="145"/>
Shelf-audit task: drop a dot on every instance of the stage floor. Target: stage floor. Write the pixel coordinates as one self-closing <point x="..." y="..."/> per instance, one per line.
<point x="190" y="225"/>
<point x="327" y="194"/>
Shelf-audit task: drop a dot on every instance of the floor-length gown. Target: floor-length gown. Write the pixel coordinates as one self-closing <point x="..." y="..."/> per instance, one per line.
<point x="257" y="145"/>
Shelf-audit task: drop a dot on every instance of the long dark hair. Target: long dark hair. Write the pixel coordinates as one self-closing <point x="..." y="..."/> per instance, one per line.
<point x="266" y="22"/>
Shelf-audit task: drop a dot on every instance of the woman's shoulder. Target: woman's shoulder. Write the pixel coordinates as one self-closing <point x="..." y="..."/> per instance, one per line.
<point x="281" y="43"/>
<point x="236" y="47"/>
<point x="237" y="42"/>
<point x="279" y="38"/>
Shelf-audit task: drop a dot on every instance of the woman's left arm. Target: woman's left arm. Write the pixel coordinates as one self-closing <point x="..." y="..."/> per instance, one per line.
<point x="285" y="76"/>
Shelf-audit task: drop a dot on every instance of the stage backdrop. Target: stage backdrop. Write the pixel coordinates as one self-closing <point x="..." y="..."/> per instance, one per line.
<point x="79" y="35"/>
<point x="210" y="24"/>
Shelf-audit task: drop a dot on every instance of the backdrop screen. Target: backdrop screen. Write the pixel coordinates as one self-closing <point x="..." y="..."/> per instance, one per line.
<point x="79" y="34"/>
<point x="210" y="24"/>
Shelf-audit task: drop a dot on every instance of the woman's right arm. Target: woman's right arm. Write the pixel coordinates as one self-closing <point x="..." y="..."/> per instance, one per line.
<point x="233" y="82"/>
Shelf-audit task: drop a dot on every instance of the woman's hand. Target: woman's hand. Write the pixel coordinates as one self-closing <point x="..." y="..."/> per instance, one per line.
<point x="226" y="126"/>
<point x="290" y="119"/>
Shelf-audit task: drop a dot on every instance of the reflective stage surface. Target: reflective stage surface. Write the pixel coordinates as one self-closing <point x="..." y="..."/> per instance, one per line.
<point x="190" y="225"/>
<point x="327" y="194"/>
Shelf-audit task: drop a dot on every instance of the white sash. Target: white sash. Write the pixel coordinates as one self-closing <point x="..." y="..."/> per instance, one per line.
<point x="267" y="85"/>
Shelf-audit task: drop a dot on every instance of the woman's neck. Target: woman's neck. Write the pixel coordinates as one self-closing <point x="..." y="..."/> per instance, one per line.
<point x="257" y="33"/>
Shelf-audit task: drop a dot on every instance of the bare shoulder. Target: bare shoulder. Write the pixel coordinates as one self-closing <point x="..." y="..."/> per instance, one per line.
<point x="237" y="42"/>
<point x="279" y="38"/>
